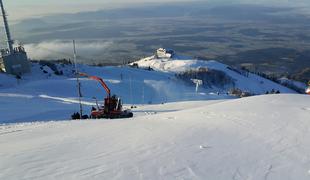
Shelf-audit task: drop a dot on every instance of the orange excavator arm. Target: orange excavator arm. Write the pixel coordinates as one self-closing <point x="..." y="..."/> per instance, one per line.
<point x="103" y="84"/>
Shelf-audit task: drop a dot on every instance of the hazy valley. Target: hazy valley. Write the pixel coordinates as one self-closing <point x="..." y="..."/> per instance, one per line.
<point x="267" y="39"/>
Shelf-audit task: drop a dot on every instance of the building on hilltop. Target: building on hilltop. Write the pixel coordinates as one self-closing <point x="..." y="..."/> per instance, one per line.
<point x="164" y="53"/>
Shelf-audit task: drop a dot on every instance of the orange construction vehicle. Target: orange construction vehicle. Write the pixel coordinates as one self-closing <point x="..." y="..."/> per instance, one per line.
<point x="112" y="108"/>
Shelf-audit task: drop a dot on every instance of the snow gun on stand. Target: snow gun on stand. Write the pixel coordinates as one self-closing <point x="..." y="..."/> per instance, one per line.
<point x="112" y="108"/>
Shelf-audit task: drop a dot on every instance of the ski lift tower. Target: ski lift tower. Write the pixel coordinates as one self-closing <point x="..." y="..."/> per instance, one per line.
<point x="13" y="60"/>
<point x="198" y="83"/>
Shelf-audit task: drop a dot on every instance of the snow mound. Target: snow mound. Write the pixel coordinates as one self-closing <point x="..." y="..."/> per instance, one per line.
<point x="243" y="80"/>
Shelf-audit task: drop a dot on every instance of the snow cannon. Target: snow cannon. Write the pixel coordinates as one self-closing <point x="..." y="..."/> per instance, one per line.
<point x="112" y="108"/>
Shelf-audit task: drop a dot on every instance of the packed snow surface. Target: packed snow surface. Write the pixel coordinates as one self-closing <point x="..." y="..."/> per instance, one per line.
<point x="262" y="137"/>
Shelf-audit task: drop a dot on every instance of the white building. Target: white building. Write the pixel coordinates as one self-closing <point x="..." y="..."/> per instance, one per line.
<point x="164" y="53"/>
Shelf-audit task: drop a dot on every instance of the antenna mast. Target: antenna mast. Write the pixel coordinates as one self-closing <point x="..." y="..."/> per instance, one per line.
<point x="7" y="29"/>
<point x="77" y="80"/>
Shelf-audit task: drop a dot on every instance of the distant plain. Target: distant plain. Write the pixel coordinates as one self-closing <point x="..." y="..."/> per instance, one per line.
<point x="272" y="40"/>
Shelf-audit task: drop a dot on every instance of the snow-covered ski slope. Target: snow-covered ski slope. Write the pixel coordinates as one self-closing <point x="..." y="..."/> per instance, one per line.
<point x="44" y="96"/>
<point x="257" y="138"/>
<point x="176" y="133"/>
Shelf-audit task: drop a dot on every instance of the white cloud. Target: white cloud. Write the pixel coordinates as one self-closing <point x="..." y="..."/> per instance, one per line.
<point x="64" y="49"/>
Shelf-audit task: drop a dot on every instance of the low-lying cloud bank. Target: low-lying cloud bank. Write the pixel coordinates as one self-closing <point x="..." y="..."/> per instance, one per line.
<point x="50" y="50"/>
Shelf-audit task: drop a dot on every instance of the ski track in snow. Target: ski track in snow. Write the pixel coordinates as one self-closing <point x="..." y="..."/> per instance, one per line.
<point x="67" y="100"/>
<point x="16" y="95"/>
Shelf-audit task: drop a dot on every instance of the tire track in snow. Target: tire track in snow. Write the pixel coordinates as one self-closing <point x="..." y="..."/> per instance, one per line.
<point x="9" y="132"/>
